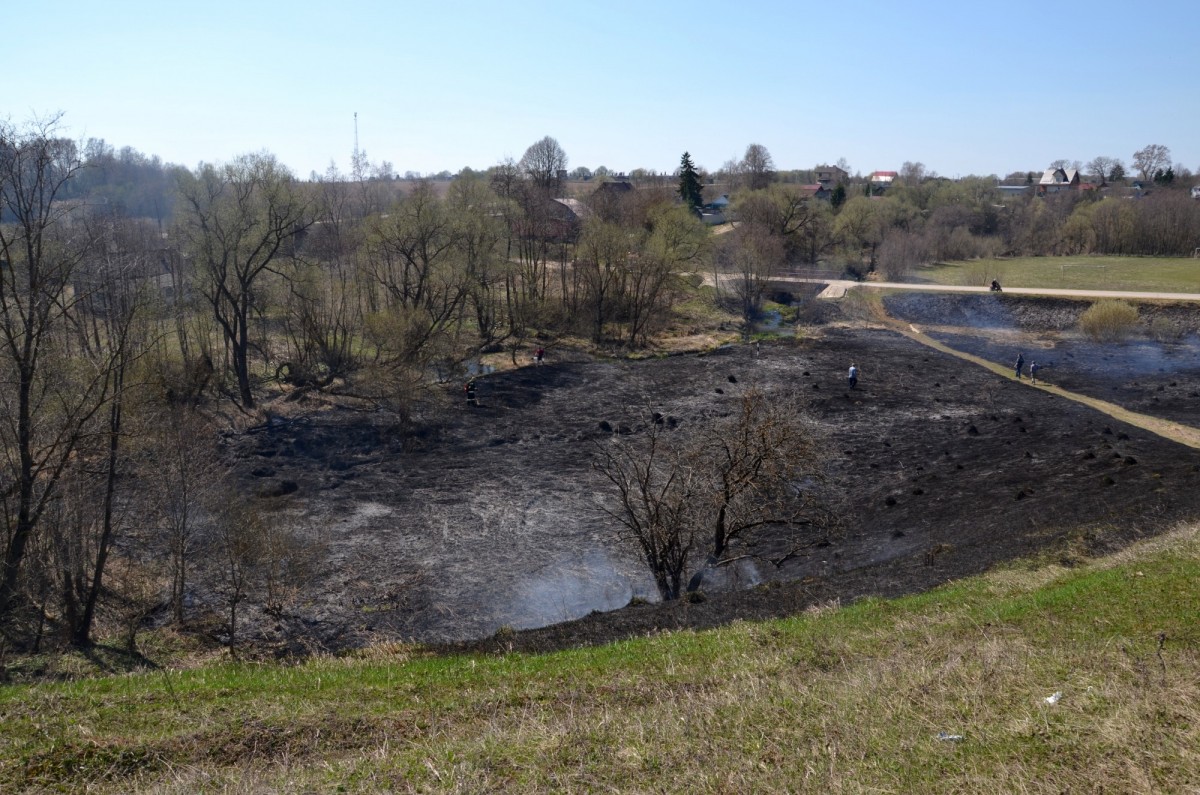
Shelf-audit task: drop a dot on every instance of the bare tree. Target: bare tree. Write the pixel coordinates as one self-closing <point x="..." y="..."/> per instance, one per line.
<point x="901" y="252"/>
<point x="258" y="559"/>
<point x="752" y="481"/>
<point x="480" y="234"/>
<point x="412" y="255"/>
<point x="751" y="253"/>
<point x="730" y="173"/>
<point x="911" y="174"/>
<point x="323" y="322"/>
<point x="757" y="167"/>
<point x="44" y="406"/>
<point x="239" y="552"/>
<point x="542" y="162"/>
<point x="237" y="220"/>
<point x="764" y="476"/>
<point x="654" y="492"/>
<point x="1101" y="167"/>
<point x="1150" y="160"/>
<point x="116" y="305"/>
<point x="602" y="260"/>
<point x="678" y="241"/>
<point x="783" y="210"/>
<point x="183" y="479"/>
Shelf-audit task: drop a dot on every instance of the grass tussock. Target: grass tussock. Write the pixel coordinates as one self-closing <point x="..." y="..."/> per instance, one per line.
<point x="1109" y="321"/>
<point x="948" y="691"/>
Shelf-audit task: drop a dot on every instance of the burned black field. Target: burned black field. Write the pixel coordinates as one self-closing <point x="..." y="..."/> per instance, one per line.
<point x="492" y="519"/>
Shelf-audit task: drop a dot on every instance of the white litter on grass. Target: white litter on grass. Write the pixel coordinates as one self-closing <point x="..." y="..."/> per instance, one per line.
<point x="950" y="738"/>
<point x="1053" y="698"/>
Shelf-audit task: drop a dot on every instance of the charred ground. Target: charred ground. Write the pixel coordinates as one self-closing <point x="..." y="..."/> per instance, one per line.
<point x="490" y="519"/>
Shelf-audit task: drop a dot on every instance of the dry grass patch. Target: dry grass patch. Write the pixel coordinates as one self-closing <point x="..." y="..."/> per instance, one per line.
<point x="1109" y="321"/>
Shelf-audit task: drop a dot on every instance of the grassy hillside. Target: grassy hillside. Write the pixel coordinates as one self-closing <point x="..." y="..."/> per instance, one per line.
<point x="944" y="692"/>
<point x="1166" y="274"/>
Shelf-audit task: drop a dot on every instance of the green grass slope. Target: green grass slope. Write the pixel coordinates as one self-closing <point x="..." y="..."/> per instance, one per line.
<point x="1029" y="679"/>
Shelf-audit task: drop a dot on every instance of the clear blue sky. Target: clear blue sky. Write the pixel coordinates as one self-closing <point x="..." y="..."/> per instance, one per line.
<point x="962" y="86"/>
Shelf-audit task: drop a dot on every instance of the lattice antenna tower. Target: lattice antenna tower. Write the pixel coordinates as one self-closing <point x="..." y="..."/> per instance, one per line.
<point x="357" y="166"/>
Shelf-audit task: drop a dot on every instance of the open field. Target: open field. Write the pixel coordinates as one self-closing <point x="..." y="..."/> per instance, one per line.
<point x="1165" y="274"/>
<point x="1028" y="679"/>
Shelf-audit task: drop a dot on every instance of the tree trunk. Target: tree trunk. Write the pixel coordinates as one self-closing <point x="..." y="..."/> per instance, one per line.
<point x="82" y="632"/>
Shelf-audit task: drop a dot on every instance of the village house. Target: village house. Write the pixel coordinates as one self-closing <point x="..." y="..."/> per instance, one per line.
<point x="1056" y="179"/>
<point x="715" y="211"/>
<point x="882" y="180"/>
<point x="818" y="191"/>
<point x="831" y="176"/>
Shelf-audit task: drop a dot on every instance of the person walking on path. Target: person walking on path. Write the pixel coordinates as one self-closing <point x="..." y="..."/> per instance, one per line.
<point x="469" y="389"/>
<point x="852" y="376"/>
<point x="1020" y="364"/>
<point x="1033" y="371"/>
<point x="538" y="356"/>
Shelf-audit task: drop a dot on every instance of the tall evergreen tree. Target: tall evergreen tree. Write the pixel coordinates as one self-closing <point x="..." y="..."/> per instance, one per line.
<point x="839" y="196"/>
<point x="689" y="184"/>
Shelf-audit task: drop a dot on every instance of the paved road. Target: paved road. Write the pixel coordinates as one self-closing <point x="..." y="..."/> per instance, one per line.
<point x="837" y="288"/>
